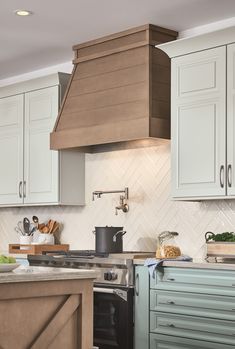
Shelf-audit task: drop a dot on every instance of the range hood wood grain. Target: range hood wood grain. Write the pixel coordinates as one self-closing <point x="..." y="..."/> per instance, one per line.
<point x="119" y="91"/>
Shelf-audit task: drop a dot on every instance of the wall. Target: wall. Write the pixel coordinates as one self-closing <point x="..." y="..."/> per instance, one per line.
<point x="147" y="174"/>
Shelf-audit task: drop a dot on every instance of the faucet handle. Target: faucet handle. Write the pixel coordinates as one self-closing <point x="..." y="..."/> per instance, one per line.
<point x="125" y="208"/>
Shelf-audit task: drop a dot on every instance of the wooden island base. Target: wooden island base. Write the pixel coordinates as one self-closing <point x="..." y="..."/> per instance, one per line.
<point x="54" y="314"/>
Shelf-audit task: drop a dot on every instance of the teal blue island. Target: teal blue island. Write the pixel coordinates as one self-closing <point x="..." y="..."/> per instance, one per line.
<point x="185" y="306"/>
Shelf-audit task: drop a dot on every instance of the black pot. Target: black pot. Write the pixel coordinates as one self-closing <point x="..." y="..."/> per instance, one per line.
<point x="108" y="239"/>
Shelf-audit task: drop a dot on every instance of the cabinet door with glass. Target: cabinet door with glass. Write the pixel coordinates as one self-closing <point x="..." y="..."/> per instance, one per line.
<point x="11" y="149"/>
<point x="199" y="124"/>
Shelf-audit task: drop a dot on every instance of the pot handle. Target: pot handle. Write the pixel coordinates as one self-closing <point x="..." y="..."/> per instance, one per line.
<point x="118" y="232"/>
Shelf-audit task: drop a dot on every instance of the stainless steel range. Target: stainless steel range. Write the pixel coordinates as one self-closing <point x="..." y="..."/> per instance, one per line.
<point x="113" y="291"/>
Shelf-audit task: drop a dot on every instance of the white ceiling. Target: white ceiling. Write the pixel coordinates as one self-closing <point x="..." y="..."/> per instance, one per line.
<point x="46" y="38"/>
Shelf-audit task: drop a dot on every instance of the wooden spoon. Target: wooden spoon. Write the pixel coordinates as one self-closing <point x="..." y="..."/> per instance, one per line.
<point x="55" y="227"/>
<point x="45" y="229"/>
<point x="51" y="224"/>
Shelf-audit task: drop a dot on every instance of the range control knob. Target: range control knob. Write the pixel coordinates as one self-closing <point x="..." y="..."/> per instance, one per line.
<point x="110" y="276"/>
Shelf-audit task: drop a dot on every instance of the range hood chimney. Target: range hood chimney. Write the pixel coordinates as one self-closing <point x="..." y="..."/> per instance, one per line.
<point x="119" y="92"/>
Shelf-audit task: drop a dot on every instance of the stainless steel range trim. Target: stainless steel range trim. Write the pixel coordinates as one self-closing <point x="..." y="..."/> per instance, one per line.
<point x="118" y="292"/>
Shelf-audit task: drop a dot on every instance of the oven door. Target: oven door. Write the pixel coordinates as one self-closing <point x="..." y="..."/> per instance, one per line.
<point x="113" y="317"/>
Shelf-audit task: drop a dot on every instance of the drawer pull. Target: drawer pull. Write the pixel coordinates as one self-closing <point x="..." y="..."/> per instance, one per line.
<point x="170" y="279"/>
<point x="167" y="302"/>
<point x="170" y="302"/>
<point x="168" y="325"/>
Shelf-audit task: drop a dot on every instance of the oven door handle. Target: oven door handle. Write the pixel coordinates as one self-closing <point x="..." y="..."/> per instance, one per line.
<point x="103" y="290"/>
<point x="116" y="291"/>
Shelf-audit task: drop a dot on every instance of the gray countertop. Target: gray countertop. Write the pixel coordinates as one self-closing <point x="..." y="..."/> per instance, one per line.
<point x="27" y="274"/>
<point x="196" y="263"/>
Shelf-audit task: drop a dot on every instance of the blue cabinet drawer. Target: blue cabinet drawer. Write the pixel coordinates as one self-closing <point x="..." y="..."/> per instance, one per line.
<point x="198" y="328"/>
<point x="158" y="341"/>
<point x="220" y="282"/>
<point x="210" y="306"/>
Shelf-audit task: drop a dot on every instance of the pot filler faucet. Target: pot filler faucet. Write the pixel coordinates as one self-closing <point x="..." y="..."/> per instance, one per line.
<point x="122" y="201"/>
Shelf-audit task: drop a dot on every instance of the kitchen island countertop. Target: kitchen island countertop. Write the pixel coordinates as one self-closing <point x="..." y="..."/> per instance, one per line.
<point x="28" y="273"/>
<point x="197" y="263"/>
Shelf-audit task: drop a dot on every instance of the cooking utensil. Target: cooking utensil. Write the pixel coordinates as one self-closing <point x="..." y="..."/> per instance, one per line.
<point x="32" y="229"/>
<point x="109" y="239"/>
<point x="45" y="229"/>
<point x="26" y="225"/>
<point x="41" y="226"/>
<point x="36" y="221"/>
<point x="55" y="227"/>
<point x="18" y="231"/>
<point x="50" y="225"/>
<point x="20" y="227"/>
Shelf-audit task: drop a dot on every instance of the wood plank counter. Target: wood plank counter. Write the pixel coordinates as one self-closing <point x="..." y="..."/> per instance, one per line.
<point x="43" y="307"/>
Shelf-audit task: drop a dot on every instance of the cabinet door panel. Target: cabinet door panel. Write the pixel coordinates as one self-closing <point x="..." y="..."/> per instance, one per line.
<point x="206" y="281"/>
<point x="231" y="118"/>
<point x="197" y="77"/>
<point x="199" y="124"/>
<point x="158" y="341"/>
<point x="186" y="303"/>
<point x="204" y="329"/>
<point x="141" y="307"/>
<point x="41" y="163"/>
<point x="11" y="149"/>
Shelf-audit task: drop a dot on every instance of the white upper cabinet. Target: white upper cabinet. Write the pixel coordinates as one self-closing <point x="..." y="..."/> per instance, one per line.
<point x="41" y="164"/>
<point x="11" y="149"/>
<point x="203" y="115"/>
<point x="31" y="173"/>
<point x="231" y="120"/>
<point x="198" y="123"/>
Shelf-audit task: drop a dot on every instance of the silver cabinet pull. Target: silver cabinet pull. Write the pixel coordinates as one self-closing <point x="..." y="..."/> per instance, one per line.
<point x="221" y="176"/>
<point x="170" y="302"/>
<point x="167" y="325"/>
<point x="170" y="279"/>
<point x="167" y="303"/>
<point x="24" y="190"/>
<point x="20" y="189"/>
<point x="137" y="279"/>
<point x="229" y="175"/>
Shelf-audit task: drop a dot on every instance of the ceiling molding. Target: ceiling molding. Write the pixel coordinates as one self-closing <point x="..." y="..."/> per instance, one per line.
<point x="207" y="28"/>
<point x="63" y="67"/>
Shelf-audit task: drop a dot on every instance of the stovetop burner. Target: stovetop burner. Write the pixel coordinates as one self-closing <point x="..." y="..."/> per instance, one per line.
<point x="89" y="254"/>
<point x="77" y="254"/>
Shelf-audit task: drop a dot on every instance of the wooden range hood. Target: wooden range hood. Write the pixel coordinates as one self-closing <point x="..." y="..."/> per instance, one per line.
<point x="119" y="91"/>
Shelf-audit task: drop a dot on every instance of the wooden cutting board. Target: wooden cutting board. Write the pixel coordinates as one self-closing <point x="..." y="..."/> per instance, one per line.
<point x="36" y="249"/>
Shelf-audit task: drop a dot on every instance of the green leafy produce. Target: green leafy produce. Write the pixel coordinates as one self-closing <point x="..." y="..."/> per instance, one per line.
<point x="226" y="237"/>
<point x="6" y="260"/>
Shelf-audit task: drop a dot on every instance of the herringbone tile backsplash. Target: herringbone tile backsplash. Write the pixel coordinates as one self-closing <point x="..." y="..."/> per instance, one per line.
<point x="146" y="172"/>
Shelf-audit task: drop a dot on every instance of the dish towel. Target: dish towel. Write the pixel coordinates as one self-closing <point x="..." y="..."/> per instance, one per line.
<point x="153" y="263"/>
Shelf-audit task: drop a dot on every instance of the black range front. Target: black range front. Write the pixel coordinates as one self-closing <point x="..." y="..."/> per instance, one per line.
<point x="113" y="317"/>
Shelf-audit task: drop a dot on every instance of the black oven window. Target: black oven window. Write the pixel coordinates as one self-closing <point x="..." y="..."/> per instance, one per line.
<point x="113" y="321"/>
<point x="106" y="315"/>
